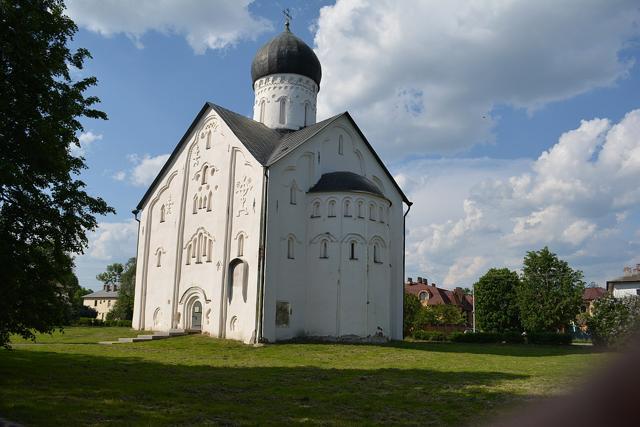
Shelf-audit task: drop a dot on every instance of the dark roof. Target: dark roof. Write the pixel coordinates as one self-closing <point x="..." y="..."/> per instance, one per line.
<point x="265" y="144"/>
<point x="102" y="294"/>
<point x="627" y="278"/>
<point x="345" y="181"/>
<point x="286" y="53"/>
<point x="591" y="294"/>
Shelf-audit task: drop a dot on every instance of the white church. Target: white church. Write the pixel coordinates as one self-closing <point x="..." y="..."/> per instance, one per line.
<point x="275" y="227"/>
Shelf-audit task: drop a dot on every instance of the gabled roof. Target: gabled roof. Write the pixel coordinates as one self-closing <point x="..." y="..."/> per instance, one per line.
<point x="102" y="294"/>
<point x="591" y="294"/>
<point x="266" y="145"/>
<point x="626" y="278"/>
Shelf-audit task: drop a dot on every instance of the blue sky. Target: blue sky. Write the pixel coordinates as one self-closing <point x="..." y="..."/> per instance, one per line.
<point x="512" y="125"/>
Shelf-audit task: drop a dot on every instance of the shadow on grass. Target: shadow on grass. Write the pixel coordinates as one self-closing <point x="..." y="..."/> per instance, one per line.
<point x="44" y="388"/>
<point x="516" y="350"/>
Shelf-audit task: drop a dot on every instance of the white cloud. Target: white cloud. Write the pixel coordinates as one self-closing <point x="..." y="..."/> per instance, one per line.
<point x="85" y="139"/>
<point x="205" y="24"/>
<point x="113" y="240"/>
<point x="119" y="176"/>
<point x="580" y="197"/>
<point x="463" y="269"/>
<point x="437" y="69"/>
<point x="147" y="168"/>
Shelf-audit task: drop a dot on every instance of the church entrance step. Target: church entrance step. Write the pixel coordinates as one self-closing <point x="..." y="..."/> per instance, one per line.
<point x="149" y="337"/>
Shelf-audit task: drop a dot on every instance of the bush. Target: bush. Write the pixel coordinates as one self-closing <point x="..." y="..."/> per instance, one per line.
<point x="614" y="320"/>
<point x="119" y="323"/>
<point x="549" y="338"/>
<point x="88" y="321"/>
<point x="411" y="308"/>
<point x="433" y="336"/>
<point x="477" y="337"/>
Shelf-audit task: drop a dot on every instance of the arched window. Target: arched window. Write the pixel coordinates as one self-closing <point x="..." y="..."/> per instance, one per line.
<point x="292" y="194"/>
<point x="159" y="257"/>
<point x="205" y="169"/>
<point x="290" y="248"/>
<point x="199" y="244"/>
<point x="262" y="105"/>
<point x="315" y="213"/>
<point x="376" y="254"/>
<point x="372" y="212"/>
<point x="381" y="214"/>
<point x="209" y="202"/>
<point x="347" y="207"/>
<point x="195" y="204"/>
<point x="188" y="254"/>
<point x="424" y="296"/>
<point x="210" y="251"/>
<point x="208" y="144"/>
<point x="352" y="250"/>
<point x="332" y="209"/>
<point x="360" y="209"/>
<point x="162" y="213"/>
<point x="324" y="253"/>
<point x="283" y="109"/>
<point x="340" y="145"/>
<point x="241" y="245"/>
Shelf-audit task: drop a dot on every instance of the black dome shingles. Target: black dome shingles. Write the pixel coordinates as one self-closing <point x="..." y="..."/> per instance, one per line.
<point x="345" y="181"/>
<point x="286" y="53"/>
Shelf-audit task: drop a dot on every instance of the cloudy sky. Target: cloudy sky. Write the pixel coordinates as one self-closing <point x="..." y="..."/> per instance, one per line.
<point x="511" y="124"/>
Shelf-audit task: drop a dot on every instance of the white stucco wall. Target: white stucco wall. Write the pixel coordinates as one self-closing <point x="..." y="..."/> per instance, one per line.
<point x="625" y="289"/>
<point x="335" y="296"/>
<point x="102" y="305"/>
<point x="211" y="195"/>
<point x="299" y="93"/>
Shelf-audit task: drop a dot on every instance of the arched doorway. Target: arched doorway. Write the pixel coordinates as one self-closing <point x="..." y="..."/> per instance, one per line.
<point x="196" y="316"/>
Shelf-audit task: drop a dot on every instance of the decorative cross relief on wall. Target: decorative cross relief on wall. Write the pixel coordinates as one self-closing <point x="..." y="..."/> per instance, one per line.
<point x="169" y="205"/>
<point x="195" y="156"/>
<point x="243" y="187"/>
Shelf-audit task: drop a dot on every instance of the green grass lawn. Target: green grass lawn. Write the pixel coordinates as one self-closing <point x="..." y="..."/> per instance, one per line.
<point x="200" y="380"/>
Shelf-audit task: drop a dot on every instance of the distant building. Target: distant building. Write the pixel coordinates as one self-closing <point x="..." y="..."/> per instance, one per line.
<point x="589" y="297"/>
<point x="627" y="284"/>
<point x="431" y="295"/>
<point x="102" y="301"/>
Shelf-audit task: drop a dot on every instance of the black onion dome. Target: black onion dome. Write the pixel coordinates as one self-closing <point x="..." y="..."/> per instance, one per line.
<point x="345" y="181"/>
<point x="286" y="53"/>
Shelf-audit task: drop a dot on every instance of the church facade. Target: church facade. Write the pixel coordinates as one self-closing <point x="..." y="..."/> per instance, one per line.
<point x="275" y="227"/>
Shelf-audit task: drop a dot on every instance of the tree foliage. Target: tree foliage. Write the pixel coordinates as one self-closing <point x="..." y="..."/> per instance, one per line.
<point x="550" y="292"/>
<point x="112" y="275"/>
<point x="438" y="315"/>
<point x="411" y="308"/>
<point x="496" y="301"/>
<point x="45" y="212"/>
<point x="614" y="320"/>
<point x="123" y="308"/>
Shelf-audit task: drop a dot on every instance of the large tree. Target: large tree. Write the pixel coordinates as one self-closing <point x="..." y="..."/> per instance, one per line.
<point x="45" y="212"/>
<point x="550" y="292"/>
<point x="496" y="301"/>
<point x="123" y="308"/>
